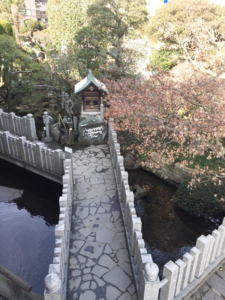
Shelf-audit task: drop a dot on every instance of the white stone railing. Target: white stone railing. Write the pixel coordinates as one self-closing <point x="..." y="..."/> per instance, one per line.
<point x="25" y="153"/>
<point x="23" y="126"/>
<point x="55" y="281"/>
<point x="180" y="279"/>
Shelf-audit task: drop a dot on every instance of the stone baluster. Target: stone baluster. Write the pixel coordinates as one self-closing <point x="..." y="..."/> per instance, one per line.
<point x="11" y="117"/>
<point x="187" y="259"/>
<point x="5" y="139"/>
<point x="216" y="234"/>
<point x="129" y="198"/>
<point x="142" y="251"/>
<point x="1" y="142"/>
<point x="170" y="272"/>
<point x="221" y="229"/>
<point x="136" y="225"/>
<point x="53" y="287"/>
<point x="181" y="266"/>
<point x="1" y="122"/>
<point x="195" y="252"/>
<point x="149" y="288"/>
<point x="211" y="245"/>
<point x="59" y="161"/>
<point x="24" y="126"/>
<point x="203" y="245"/>
<point x="22" y="153"/>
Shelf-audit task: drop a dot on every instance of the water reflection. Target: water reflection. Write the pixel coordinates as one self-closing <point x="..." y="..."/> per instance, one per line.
<point x="27" y="225"/>
<point x="168" y="231"/>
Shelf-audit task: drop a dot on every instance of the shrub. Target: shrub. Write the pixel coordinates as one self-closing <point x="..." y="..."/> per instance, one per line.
<point x="32" y="24"/>
<point x="164" y="59"/>
<point x="42" y="25"/>
<point x="23" y="29"/>
<point x="5" y="28"/>
<point x="28" y="50"/>
<point x="204" y="199"/>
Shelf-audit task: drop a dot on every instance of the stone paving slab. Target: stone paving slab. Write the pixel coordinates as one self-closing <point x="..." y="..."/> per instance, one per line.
<point x="213" y="288"/>
<point x="99" y="265"/>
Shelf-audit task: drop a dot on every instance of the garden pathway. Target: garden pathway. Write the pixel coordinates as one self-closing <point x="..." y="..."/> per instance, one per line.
<point x="99" y="265"/>
<point x="213" y="288"/>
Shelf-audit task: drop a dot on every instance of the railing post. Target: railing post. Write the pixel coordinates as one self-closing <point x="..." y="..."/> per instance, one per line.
<point x="203" y="245"/>
<point x="170" y="271"/>
<point x="1" y="122"/>
<point x="181" y="266"/>
<point x="53" y="287"/>
<point x="195" y="252"/>
<point x="31" y="130"/>
<point x="149" y="288"/>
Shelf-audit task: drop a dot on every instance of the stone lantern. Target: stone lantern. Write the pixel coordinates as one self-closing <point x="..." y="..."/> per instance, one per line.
<point x="92" y="91"/>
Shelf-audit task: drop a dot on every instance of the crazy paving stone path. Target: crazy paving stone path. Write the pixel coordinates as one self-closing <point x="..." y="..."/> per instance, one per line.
<point x="99" y="265"/>
<point x="213" y="288"/>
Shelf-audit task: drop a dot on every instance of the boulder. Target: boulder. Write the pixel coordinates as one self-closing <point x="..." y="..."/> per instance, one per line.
<point x="93" y="131"/>
<point x="140" y="192"/>
<point x="55" y="132"/>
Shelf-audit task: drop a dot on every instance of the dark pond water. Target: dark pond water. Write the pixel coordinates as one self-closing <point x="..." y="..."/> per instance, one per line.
<point x="27" y="225"/>
<point x="168" y="231"/>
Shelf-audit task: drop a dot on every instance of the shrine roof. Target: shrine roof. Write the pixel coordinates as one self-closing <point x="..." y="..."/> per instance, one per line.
<point x="90" y="79"/>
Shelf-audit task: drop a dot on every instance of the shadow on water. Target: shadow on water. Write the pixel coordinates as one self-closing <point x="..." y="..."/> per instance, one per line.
<point x="168" y="231"/>
<point x="27" y="225"/>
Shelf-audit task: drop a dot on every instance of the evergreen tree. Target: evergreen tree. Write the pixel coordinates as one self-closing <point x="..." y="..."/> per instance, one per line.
<point x="65" y="17"/>
<point x="20" y="76"/>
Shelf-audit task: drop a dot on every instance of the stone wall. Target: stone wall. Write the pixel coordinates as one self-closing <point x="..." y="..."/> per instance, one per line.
<point x="180" y="278"/>
<point x="24" y="126"/>
<point x="55" y="281"/>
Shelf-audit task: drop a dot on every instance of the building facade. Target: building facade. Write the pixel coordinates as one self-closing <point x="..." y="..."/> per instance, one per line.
<point x="36" y="9"/>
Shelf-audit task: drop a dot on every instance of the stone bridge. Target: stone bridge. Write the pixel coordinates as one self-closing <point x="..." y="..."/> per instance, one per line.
<point x="99" y="250"/>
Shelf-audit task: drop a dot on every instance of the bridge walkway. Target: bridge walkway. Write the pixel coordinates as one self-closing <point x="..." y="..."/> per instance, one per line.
<point x="99" y="265"/>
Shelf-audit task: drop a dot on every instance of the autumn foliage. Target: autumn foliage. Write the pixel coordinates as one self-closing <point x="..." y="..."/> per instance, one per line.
<point x="172" y="119"/>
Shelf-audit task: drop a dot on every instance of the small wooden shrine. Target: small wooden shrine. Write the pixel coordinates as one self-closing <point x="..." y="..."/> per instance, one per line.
<point x="92" y="90"/>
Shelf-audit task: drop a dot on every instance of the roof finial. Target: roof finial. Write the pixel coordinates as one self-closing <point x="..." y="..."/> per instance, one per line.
<point x="89" y="72"/>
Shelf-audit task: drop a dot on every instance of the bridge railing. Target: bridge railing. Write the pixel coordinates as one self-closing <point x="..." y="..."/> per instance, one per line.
<point x="55" y="281"/>
<point x="33" y="154"/>
<point x="23" y="126"/>
<point x="181" y="278"/>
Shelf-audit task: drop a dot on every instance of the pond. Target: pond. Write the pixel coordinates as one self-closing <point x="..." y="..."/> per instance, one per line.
<point x="27" y="225"/>
<point x="168" y="231"/>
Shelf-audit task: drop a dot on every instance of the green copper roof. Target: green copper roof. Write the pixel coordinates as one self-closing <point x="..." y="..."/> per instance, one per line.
<point x="90" y="79"/>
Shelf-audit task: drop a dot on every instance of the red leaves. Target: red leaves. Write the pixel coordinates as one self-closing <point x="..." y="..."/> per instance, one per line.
<point x="169" y="117"/>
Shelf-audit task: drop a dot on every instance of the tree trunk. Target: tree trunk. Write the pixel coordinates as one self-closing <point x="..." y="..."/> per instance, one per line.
<point x="15" y="15"/>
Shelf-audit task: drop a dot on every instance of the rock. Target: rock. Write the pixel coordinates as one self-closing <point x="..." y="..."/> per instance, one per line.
<point x="66" y="140"/>
<point x="94" y="133"/>
<point x="129" y="160"/>
<point x="140" y="192"/>
<point x="55" y="132"/>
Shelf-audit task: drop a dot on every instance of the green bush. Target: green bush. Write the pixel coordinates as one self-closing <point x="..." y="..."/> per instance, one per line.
<point x="203" y="199"/>
<point x="28" y="50"/>
<point x="42" y="25"/>
<point x="5" y="28"/>
<point x="164" y="59"/>
<point x="23" y="29"/>
<point x="32" y="24"/>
